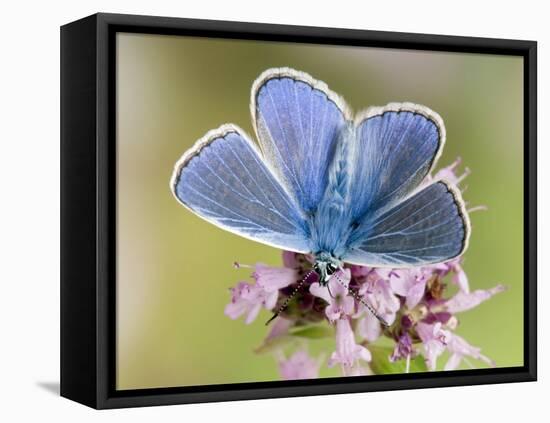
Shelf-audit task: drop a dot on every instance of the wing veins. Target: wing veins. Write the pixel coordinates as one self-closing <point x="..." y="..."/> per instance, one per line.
<point x="292" y="172"/>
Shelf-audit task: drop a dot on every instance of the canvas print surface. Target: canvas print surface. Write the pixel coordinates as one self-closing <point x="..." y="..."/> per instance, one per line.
<point x="296" y="211"/>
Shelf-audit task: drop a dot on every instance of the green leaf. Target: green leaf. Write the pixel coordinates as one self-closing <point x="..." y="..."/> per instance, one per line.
<point x="307" y="331"/>
<point x="312" y="331"/>
<point x="381" y="365"/>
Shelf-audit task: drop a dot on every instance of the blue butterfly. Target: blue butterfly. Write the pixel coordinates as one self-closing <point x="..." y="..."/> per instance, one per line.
<point x="342" y="188"/>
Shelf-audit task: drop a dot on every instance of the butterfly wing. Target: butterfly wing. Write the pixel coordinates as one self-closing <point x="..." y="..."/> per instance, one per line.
<point x="297" y="120"/>
<point x="395" y="147"/>
<point x="224" y="181"/>
<point x="429" y="227"/>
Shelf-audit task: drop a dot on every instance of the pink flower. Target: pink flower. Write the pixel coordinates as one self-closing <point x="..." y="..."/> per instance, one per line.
<point x="459" y="277"/>
<point x="410" y="284"/>
<point x="347" y="353"/>
<point x="459" y="349"/>
<point x="368" y="327"/>
<point x="449" y="173"/>
<point x="403" y="349"/>
<point x="339" y="303"/>
<point x="454" y="266"/>
<point x="299" y="366"/>
<point x="463" y="301"/>
<point x="358" y="370"/>
<point x="248" y="299"/>
<point x="272" y="279"/>
<point x="360" y="271"/>
<point x="418" y="297"/>
<point x="378" y="293"/>
<point x="434" y="340"/>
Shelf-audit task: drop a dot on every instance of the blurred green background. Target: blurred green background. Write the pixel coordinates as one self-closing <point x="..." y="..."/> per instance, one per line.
<point x="174" y="269"/>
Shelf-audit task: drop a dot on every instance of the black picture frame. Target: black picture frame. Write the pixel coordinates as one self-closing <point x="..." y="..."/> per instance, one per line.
<point x="88" y="194"/>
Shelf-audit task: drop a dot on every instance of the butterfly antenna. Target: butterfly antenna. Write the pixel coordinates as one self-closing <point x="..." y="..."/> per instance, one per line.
<point x="362" y="301"/>
<point x="285" y="304"/>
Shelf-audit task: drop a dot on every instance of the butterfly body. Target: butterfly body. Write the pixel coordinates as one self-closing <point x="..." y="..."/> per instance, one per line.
<point x="334" y="206"/>
<point x="326" y="183"/>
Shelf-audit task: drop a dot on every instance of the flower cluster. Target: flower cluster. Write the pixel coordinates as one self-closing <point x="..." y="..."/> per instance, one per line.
<point x="421" y="317"/>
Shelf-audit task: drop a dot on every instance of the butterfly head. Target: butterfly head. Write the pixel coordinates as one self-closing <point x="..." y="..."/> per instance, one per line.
<point x="325" y="266"/>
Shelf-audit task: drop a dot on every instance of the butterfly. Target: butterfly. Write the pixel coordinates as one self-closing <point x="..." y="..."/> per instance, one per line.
<point x="343" y="188"/>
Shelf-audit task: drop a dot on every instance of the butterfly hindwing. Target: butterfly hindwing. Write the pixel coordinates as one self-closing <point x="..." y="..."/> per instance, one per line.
<point x="297" y="120"/>
<point x="429" y="227"/>
<point x="224" y="180"/>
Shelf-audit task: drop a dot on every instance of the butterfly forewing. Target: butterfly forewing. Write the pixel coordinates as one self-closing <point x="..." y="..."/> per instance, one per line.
<point x="297" y="121"/>
<point x="224" y="180"/>
<point x="396" y="147"/>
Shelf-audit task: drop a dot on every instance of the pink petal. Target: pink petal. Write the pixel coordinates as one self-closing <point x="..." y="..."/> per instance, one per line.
<point x="449" y="173"/>
<point x="333" y="359"/>
<point x="432" y="350"/>
<point x="347" y="351"/>
<point x="386" y="273"/>
<point x="400" y="284"/>
<point x="253" y="313"/>
<point x="299" y="366"/>
<point x="355" y="370"/>
<point x="320" y="291"/>
<point x="234" y="310"/>
<point x="415" y="294"/>
<point x="362" y="353"/>
<point x="458" y="346"/>
<point x="333" y="312"/>
<point x="339" y="282"/>
<point x="463" y="301"/>
<point x="274" y="278"/>
<point x="270" y="299"/>
<point x="360" y="271"/>
<point x="424" y="331"/>
<point x="453" y="362"/>
<point x="381" y="297"/>
<point x="461" y="279"/>
<point x="433" y="341"/>
<point x="442" y="267"/>
<point x="348" y="305"/>
<point x="336" y="288"/>
<point x="369" y="328"/>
